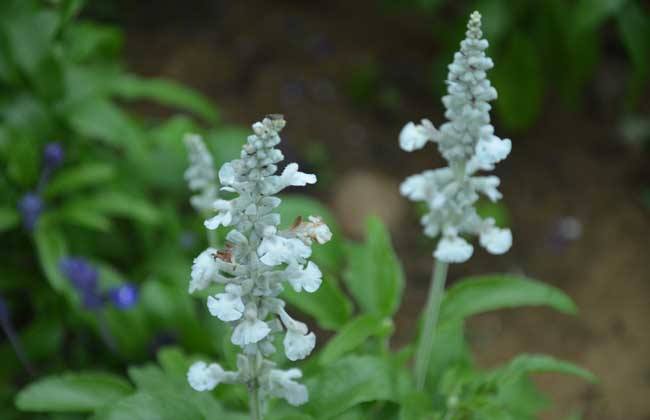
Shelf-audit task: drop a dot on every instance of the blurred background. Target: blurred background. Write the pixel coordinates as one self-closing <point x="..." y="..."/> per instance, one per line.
<point x="573" y="82"/>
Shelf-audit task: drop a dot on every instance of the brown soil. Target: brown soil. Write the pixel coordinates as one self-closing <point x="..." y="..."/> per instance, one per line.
<point x="255" y="57"/>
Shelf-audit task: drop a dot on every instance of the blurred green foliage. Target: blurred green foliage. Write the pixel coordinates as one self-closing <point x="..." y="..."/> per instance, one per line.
<point x="542" y="45"/>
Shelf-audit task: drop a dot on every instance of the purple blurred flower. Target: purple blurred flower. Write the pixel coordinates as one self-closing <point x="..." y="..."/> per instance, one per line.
<point x="30" y="207"/>
<point x="53" y="155"/>
<point x="80" y="272"/>
<point x="4" y="310"/>
<point x="83" y="277"/>
<point x="124" y="296"/>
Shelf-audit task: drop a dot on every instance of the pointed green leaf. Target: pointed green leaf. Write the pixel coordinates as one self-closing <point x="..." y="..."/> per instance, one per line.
<point x="79" y="177"/>
<point x="352" y="335"/>
<point x="527" y="364"/>
<point x="374" y="275"/>
<point x="9" y="218"/>
<point x="474" y="295"/>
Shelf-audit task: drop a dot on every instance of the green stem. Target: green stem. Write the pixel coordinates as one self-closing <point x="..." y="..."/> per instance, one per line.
<point x="425" y="344"/>
<point x="254" y="401"/>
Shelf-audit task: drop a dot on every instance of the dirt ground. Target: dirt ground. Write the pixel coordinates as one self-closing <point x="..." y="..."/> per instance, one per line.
<point x="572" y="189"/>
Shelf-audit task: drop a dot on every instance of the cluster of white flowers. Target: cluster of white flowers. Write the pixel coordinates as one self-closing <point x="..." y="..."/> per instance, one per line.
<point x="468" y="143"/>
<point x="200" y="175"/>
<point x="255" y="262"/>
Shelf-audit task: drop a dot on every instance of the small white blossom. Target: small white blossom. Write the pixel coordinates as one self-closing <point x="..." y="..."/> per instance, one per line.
<point x="204" y="270"/>
<point x="453" y="250"/>
<point x="227" y="306"/>
<point x="291" y="176"/>
<point x="249" y="331"/>
<point x="496" y="240"/>
<point x="275" y="250"/>
<point x="204" y="377"/>
<point x="308" y="278"/>
<point x="281" y="384"/>
<point x="223" y="217"/>
<point x="468" y="143"/>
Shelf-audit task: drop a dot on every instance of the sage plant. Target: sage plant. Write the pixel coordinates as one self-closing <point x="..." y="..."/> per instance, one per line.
<point x="256" y="261"/>
<point x="468" y="144"/>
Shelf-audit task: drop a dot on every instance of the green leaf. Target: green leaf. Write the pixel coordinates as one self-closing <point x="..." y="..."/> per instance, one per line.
<point x="115" y="203"/>
<point x="165" y="92"/>
<point x="102" y="120"/>
<point x="527" y="364"/>
<point x="329" y="306"/>
<point x="145" y="406"/>
<point x="72" y="392"/>
<point x="634" y="29"/>
<point x="591" y="13"/>
<point x="474" y="295"/>
<point x="518" y="79"/>
<point x="51" y="247"/>
<point x="79" y="177"/>
<point x="9" y="218"/>
<point x="75" y="212"/>
<point x="350" y="381"/>
<point x="374" y="275"/>
<point x="352" y="335"/>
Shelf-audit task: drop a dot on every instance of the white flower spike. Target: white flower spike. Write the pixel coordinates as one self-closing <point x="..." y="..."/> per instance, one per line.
<point x="256" y="262"/>
<point x="200" y="175"/>
<point x="468" y="143"/>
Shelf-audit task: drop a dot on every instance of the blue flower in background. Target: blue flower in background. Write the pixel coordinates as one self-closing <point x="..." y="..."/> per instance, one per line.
<point x="83" y="277"/>
<point x="53" y="155"/>
<point x="30" y="207"/>
<point x="124" y="296"/>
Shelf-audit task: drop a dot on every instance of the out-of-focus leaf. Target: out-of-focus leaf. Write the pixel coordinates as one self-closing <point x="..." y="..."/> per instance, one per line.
<point x="328" y="305"/>
<point x="526" y="364"/>
<point x="352" y="335"/>
<point x="591" y="13"/>
<point x="70" y="8"/>
<point x="115" y="203"/>
<point x="145" y="406"/>
<point x="374" y="275"/>
<point x="634" y="27"/>
<point x="100" y="119"/>
<point x="51" y="247"/>
<point x="86" y="41"/>
<point x="348" y="382"/>
<point x="9" y="218"/>
<point x="74" y="392"/>
<point x="517" y="76"/>
<point x="78" y="177"/>
<point x="78" y="214"/>
<point x="225" y="143"/>
<point x="474" y="295"/>
<point x="165" y="92"/>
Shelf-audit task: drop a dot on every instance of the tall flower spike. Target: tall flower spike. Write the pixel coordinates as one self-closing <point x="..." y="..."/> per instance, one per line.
<point x="255" y="265"/>
<point x="200" y="175"/>
<point x="468" y="143"/>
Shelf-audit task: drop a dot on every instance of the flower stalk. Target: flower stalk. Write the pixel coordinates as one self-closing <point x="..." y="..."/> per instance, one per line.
<point x="428" y="332"/>
<point x="468" y="144"/>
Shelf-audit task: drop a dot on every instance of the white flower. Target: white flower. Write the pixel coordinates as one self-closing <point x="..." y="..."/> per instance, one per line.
<point x="453" y="249"/>
<point x="204" y="270"/>
<point x="227" y="306"/>
<point x="488" y="186"/>
<point x="223" y="217"/>
<point x="249" y="331"/>
<point x="496" y="240"/>
<point x="282" y="385"/>
<point x="275" y="250"/>
<point x="490" y="151"/>
<point x="309" y="278"/>
<point x="414" y="137"/>
<point x="298" y="344"/>
<point x="227" y="174"/>
<point x="204" y="377"/>
<point x="292" y="177"/>
<point x="313" y="230"/>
